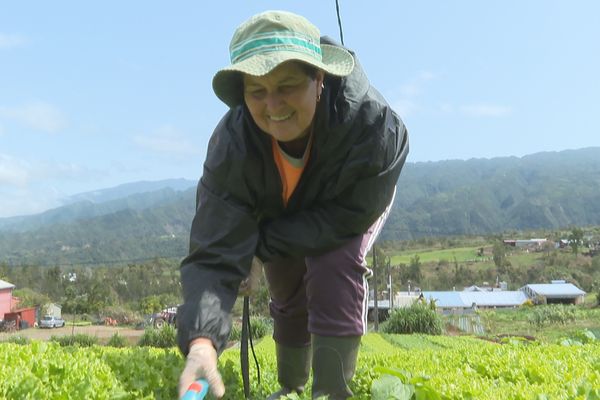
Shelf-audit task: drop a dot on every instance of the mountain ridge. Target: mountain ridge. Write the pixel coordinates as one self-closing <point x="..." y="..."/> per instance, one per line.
<point x="549" y="190"/>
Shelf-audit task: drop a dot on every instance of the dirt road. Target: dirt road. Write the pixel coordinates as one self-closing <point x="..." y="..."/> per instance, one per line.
<point x="103" y="333"/>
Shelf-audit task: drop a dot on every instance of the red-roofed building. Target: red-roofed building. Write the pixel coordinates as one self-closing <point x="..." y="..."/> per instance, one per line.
<point x="6" y="298"/>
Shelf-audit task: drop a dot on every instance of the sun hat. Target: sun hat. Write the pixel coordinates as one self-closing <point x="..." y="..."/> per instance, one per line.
<point x="270" y="38"/>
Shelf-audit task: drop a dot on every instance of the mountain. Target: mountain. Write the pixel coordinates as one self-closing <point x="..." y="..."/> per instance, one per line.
<point x="126" y="235"/>
<point x="479" y="196"/>
<point x="130" y="196"/>
<point x="128" y="189"/>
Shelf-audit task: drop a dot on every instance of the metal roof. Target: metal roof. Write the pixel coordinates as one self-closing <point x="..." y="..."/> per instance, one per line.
<point x="484" y="299"/>
<point x="446" y="299"/>
<point x="6" y="285"/>
<point x="555" y="290"/>
<point x="383" y="304"/>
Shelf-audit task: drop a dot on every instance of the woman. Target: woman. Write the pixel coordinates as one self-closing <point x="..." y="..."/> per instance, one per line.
<point x="299" y="174"/>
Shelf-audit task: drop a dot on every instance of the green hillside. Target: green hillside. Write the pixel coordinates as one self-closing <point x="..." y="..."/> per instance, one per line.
<point x="544" y="191"/>
<point x="482" y="196"/>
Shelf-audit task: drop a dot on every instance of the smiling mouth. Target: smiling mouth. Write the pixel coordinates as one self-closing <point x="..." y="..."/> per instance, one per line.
<point x="280" y="118"/>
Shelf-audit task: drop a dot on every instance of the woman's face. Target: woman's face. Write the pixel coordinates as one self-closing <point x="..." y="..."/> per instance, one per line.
<point x="283" y="102"/>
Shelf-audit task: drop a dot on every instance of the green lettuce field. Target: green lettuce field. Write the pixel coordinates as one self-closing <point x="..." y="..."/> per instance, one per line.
<point x="390" y="367"/>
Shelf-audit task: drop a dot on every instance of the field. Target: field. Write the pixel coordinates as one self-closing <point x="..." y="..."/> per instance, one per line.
<point x="103" y="333"/>
<point x="515" y="356"/>
<point x="460" y="254"/>
<point x="413" y="366"/>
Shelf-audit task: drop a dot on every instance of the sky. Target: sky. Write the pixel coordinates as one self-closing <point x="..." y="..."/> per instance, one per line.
<point x="97" y="94"/>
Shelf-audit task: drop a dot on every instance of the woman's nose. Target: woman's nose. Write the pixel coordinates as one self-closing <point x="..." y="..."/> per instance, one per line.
<point x="273" y="100"/>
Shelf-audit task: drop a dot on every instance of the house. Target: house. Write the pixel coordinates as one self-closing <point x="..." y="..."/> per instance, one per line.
<point x="26" y="317"/>
<point x="6" y="298"/>
<point x="52" y="309"/>
<point x="558" y="291"/>
<point x="530" y="243"/>
<point x="466" y="301"/>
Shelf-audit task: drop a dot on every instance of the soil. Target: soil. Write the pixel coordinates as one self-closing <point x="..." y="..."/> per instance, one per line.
<point x="103" y="333"/>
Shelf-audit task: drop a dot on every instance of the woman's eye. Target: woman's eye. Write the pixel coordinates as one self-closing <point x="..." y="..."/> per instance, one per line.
<point x="257" y="93"/>
<point x="287" y="88"/>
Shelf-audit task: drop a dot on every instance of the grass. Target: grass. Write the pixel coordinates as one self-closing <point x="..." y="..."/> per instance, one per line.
<point x="78" y="323"/>
<point x="515" y="322"/>
<point x="461" y="254"/>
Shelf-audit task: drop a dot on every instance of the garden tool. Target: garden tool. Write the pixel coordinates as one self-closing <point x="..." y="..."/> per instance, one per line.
<point x="197" y="390"/>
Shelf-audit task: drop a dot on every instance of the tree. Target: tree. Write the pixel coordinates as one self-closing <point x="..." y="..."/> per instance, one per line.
<point x="3" y="271"/>
<point x="548" y="246"/>
<point x="414" y="269"/>
<point x="576" y="239"/>
<point x="499" y="255"/>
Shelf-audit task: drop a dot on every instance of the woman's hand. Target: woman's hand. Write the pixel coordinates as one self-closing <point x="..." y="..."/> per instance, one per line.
<point x="251" y="283"/>
<point x="201" y="362"/>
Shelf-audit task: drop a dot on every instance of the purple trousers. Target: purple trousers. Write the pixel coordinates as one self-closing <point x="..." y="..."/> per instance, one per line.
<point x="325" y="295"/>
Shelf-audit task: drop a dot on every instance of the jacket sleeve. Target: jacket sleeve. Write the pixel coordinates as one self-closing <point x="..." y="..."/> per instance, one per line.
<point x="223" y="240"/>
<point x="365" y="188"/>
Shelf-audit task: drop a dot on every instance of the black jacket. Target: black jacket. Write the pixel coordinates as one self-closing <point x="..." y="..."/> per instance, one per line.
<point x="359" y="147"/>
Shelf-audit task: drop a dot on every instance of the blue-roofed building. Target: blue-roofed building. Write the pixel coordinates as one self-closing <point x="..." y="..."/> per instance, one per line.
<point x="555" y="292"/>
<point x="475" y="297"/>
<point x="470" y="300"/>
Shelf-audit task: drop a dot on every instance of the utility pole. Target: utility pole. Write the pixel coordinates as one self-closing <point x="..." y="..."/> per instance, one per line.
<point x="391" y="291"/>
<point x="375" y="309"/>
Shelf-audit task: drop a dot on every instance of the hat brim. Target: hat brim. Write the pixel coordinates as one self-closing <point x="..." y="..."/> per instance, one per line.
<point x="227" y="85"/>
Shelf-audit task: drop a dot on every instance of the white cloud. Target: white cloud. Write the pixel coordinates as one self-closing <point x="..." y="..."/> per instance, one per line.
<point x="407" y="101"/>
<point x="19" y="172"/>
<point x="485" y="110"/>
<point x="405" y="107"/>
<point x="25" y="201"/>
<point x="8" y="41"/>
<point x="28" y="187"/>
<point x="168" y="141"/>
<point x="37" y="115"/>
<point x="13" y="172"/>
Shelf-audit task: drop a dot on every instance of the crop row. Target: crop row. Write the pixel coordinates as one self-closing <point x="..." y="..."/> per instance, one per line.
<point x="432" y="367"/>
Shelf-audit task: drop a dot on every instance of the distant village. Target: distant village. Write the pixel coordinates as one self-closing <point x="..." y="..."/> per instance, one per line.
<point x="497" y="296"/>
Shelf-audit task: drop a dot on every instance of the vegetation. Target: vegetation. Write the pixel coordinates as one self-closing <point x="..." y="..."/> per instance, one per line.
<point x="165" y="337"/>
<point x="79" y="339"/>
<point x="117" y="340"/>
<point x="426" y="367"/>
<point x="260" y="326"/>
<point x="418" y="318"/>
<point x="442" y="199"/>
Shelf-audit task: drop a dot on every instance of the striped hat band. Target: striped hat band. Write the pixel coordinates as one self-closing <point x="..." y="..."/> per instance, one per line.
<point x="276" y="41"/>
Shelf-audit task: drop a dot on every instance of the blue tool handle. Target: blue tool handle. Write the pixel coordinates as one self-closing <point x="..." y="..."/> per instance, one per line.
<point x="197" y="390"/>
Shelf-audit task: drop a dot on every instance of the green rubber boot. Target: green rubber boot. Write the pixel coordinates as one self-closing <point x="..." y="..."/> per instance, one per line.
<point x="293" y="368"/>
<point x="334" y="363"/>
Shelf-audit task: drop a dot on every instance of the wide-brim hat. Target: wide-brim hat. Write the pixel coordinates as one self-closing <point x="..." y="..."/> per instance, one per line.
<point x="268" y="39"/>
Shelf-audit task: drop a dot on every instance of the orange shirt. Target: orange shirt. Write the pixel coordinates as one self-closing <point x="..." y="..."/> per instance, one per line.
<point x="290" y="169"/>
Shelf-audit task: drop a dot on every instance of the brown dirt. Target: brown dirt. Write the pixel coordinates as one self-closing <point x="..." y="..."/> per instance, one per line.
<point x="103" y="333"/>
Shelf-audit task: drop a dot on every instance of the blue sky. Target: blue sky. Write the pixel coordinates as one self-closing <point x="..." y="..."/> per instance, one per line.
<point x="96" y="94"/>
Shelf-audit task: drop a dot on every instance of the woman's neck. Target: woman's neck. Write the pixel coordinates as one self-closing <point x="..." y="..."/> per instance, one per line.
<point x="295" y="148"/>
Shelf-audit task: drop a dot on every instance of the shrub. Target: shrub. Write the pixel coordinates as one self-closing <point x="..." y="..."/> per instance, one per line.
<point x="122" y="315"/>
<point x="552" y="314"/>
<point x="18" y="339"/>
<point x="117" y="340"/>
<point x="80" y="339"/>
<point x="418" y="318"/>
<point x="236" y="332"/>
<point x="528" y="303"/>
<point x="259" y="327"/>
<point x="164" y="337"/>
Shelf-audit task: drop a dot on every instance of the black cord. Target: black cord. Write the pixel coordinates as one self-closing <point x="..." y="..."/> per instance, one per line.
<point x="247" y="337"/>
<point x="337" y="8"/>
<point x="252" y="348"/>
<point x="244" y="348"/>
